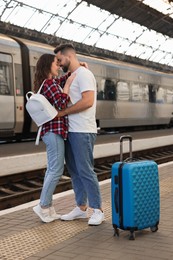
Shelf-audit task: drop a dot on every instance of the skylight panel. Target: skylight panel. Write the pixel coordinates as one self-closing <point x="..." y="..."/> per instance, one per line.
<point x="7" y="9"/>
<point x="13" y="15"/>
<point x="93" y="37"/>
<point x="107" y="22"/>
<point x="162" y="6"/>
<point x="34" y="3"/>
<point x="64" y="8"/>
<point x="88" y="15"/>
<point x="53" y="6"/>
<point x="168" y="59"/>
<point x="135" y="49"/>
<point x="151" y="38"/>
<point x="119" y="28"/>
<point x="123" y="47"/>
<point x="107" y="42"/>
<point x="37" y="20"/>
<point x="167" y="45"/>
<point x="146" y="54"/>
<point x="157" y="56"/>
<point x="72" y="31"/>
<point x="52" y="25"/>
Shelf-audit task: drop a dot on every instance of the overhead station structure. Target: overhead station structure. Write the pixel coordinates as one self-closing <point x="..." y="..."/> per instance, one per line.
<point x="136" y="31"/>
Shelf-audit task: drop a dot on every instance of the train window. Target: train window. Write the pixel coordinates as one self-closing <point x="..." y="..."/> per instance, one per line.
<point x="100" y="89"/>
<point x="106" y="90"/>
<point x="109" y="90"/>
<point x="145" y="96"/>
<point x="18" y="80"/>
<point x="160" y="95"/>
<point x="6" y="86"/>
<point x="136" y="92"/>
<point x="152" y="93"/>
<point x="123" y="92"/>
<point x="169" y="96"/>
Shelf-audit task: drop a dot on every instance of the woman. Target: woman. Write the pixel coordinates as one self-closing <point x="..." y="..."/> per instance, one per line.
<point x="53" y="132"/>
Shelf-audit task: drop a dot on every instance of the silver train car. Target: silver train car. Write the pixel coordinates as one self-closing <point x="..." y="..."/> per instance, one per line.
<point x="127" y="95"/>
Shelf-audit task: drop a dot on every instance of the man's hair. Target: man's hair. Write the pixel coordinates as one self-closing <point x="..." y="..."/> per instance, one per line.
<point x="64" y="47"/>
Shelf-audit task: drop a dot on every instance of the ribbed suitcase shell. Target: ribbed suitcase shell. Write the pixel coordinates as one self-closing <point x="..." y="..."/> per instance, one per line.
<point x="135" y="195"/>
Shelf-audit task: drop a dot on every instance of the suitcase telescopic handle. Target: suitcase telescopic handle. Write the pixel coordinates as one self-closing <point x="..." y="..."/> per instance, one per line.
<point x="122" y="138"/>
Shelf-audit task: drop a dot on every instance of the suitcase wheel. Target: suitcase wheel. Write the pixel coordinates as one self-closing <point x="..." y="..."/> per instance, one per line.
<point x="116" y="232"/>
<point x="132" y="235"/>
<point x="154" y="228"/>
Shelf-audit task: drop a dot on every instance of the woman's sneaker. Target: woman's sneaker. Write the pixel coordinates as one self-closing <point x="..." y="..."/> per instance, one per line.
<point x="44" y="214"/>
<point x="76" y="213"/>
<point x="53" y="213"/>
<point x="96" y="218"/>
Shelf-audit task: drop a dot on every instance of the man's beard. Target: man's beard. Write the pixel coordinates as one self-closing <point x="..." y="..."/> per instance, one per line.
<point x="65" y="68"/>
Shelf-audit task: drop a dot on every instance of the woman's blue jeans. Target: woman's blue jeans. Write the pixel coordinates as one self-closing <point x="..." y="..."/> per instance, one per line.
<point x="55" y="166"/>
<point x="80" y="165"/>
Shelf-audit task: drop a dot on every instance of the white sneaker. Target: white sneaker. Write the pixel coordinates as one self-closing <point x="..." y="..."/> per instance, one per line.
<point x="75" y="214"/>
<point x="44" y="214"/>
<point x="53" y="213"/>
<point x="96" y="218"/>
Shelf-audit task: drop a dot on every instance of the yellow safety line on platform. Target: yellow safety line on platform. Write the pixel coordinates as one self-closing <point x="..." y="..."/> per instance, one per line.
<point x="31" y="241"/>
<point x="28" y="242"/>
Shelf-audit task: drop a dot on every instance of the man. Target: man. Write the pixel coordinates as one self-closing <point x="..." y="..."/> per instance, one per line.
<point x="81" y="137"/>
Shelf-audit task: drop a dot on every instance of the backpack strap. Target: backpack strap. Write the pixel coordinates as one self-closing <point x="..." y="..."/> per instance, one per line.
<point x="41" y="86"/>
<point x="38" y="135"/>
<point x="40" y="127"/>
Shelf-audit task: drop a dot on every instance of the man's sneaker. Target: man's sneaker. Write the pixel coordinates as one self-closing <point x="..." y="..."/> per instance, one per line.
<point x="53" y="213"/>
<point x="75" y="214"/>
<point x="96" y="218"/>
<point x="44" y="214"/>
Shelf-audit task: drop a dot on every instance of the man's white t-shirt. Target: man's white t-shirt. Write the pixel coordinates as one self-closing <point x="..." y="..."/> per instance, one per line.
<point x="84" y="121"/>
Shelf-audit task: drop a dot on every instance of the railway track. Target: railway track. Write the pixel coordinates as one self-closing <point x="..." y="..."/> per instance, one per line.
<point x="17" y="189"/>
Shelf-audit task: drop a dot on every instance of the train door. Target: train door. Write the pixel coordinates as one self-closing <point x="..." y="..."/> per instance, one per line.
<point x="7" y="113"/>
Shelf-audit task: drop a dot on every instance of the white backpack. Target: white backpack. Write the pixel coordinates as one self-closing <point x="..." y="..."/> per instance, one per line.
<point x="40" y="110"/>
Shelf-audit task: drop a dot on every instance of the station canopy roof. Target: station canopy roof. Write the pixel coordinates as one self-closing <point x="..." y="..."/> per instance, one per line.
<point x="139" y="28"/>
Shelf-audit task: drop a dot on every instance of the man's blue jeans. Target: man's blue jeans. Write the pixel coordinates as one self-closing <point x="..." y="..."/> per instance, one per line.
<point x="55" y="166"/>
<point x="79" y="161"/>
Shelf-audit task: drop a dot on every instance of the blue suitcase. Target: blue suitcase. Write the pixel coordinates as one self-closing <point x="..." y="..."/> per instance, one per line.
<point x="135" y="193"/>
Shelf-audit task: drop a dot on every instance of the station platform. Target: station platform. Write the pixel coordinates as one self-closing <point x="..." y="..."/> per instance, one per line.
<point x="24" y="236"/>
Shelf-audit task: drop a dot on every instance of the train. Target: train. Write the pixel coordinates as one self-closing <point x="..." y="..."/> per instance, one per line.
<point x="128" y="95"/>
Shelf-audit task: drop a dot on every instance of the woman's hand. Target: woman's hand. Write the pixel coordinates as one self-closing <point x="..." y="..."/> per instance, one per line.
<point x="68" y="83"/>
<point x="84" y="64"/>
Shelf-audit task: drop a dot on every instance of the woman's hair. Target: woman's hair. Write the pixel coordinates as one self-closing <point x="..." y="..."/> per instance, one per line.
<point x="42" y="70"/>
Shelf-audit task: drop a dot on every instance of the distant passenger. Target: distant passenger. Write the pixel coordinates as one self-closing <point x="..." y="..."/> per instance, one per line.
<point x="81" y="137"/>
<point x="54" y="132"/>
